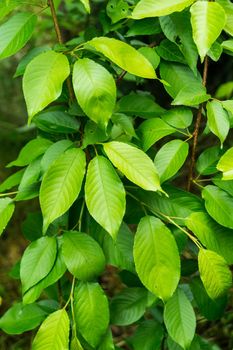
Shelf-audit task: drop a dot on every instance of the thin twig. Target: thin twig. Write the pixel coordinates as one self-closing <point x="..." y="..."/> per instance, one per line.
<point x="196" y="129"/>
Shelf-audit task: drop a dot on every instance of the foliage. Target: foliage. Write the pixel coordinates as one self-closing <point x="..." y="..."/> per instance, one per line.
<point x="127" y="128"/>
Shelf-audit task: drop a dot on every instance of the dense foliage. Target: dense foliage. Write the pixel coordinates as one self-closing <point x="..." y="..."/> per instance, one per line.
<point x="132" y="166"/>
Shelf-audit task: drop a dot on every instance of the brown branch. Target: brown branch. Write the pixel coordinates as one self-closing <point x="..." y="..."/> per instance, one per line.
<point x="60" y="40"/>
<point x="196" y="130"/>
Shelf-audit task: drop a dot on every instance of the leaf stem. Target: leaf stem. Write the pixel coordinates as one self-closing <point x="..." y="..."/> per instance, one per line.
<point x="8" y="194"/>
<point x="196" y="129"/>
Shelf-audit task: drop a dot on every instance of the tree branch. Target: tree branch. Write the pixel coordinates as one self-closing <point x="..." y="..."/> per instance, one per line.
<point x="196" y="129"/>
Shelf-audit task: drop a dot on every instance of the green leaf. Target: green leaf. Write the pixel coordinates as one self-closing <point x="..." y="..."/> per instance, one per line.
<point x="75" y="344"/>
<point x="146" y="26"/>
<point x="207" y="161"/>
<point x="211" y="235"/>
<point x="86" y="4"/>
<point x="53" y="334"/>
<point x="225" y="165"/>
<point x="214" y="273"/>
<point x="179" y="117"/>
<point x="218" y="120"/>
<point x="6" y="6"/>
<point x="156" y="256"/>
<point x="105" y="195"/>
<point x="95" y="90"/>
<point x="148" y="336"/>
<point x="22" y="318"/>
<point x="134" y="164"/>
<point x="93" y="134"/>
<point x="53" y="276"/>
<point x="170" y="51"/>
<point x="140" y="105"/>
<point x="157" y="8"/>
<point x="186" y="88"/>
<point x="15" y="33"/>
<point x="151" y="55"/>
<point x="61" y="184"/>
<point x="170" y="158"/>
<point x="124" y="122"/>
<point x="209" y="308"/>
<point x="32" y="150"/>
<point x="83" y="256"/>
<point x="117" y="10"/>
<point x="224" y="185"/>
<point x="208" y="20"/>
<point x="57" y="122"/>
<point x="129" y="306"/>
<point x="37" y="261"/>
<point x="228" y="8"/>
<point x="219" y="205"/>
<point x="107" y="342"/>
<point x="153" y="130"/>
<point x="91" y="312"/>
<point x="125" y="56"/>
<point x="31" y="174"/>
<point x="12" y="181"/>
<point x="43" y="80"/>
<point x="7" y="208"/>
<point x="54" y="152"/>
<point x="180" y="319"/>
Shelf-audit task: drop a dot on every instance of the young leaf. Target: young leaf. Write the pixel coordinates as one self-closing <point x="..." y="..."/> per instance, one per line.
<point x="153" y="130"/>
<point x="61" y="184"/>
<point x="43" y="80"/>
<point x="148" y="336"/>
<point x="37" y="261"/>
<point x="225" y="165"/>
<point x="180" y="319"/>
<point x="134" y="164"/>
<point x="156" y="256"/>
<point x="218" y="120"/>
<point x="170" y="158"/>
<point x="105" y="195"/>
<point x="15" y="33"/>
<point x="208" y="20"/>
<point x="211" y="235"/>
<point x="95" y="90"/>
<point x="214" y="272"/>
<point x="7" y="208"/>
<point x="125" y="56"/>
<point x="22" y="318"/>
<point x="83" y="256"/>
<point x="32" y="150"/>
<point x="91" y="312"/>
<point x="129" y="306"/>
<point x="53" y="334"/>
<point x="156" y="8"/>
<point x="219" y="205"/>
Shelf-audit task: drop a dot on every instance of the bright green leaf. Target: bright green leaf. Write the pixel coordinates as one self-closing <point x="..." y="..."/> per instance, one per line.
<point x="7" y="208"/>
<point x="218" y="120"/>
<point x="86" y="4"/>
<point x="178" y="117"/>
<point x="54" y="152"/>
<point x="225" y="164"/>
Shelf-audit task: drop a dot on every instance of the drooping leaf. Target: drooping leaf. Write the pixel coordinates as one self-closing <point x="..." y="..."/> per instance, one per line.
<point x="208" y="20"/>
<point x="91" y="312"/>
<point x="129" y="306"/>
<point x="53" y="334"/>
<point x="15" y="33"/>
<point x="209" y="308"/>
<point x="225" y="164"/>
<point x="61" y="184"/>
<point x="170" y="158"/>
<point x="57" y="122"/>
<point x="156" y="8"/>
<point x="153" y="130"/>
<point x="83" y="256"/>
<point x="218" y="120"/>
<point x="32" y="150"/>
<point x="125" y="56"/>
<point x="54" y="152"/>
<point x="219" y="205"/>
<point x="7" y="208"/>
<point x="105" y="195"/>
<point x="214" y="273"/>
<point x="134" y="164"/>
<point x="180" y="320"/>
<point x="37" y="261"/>
<point x="211" y="235"/>
<point x="43" y="80"/>
<point x="148" y="336"/>
<point x="156" y="256"/>
<point x="21" y="318"/>
<point x="95" y="90"/>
